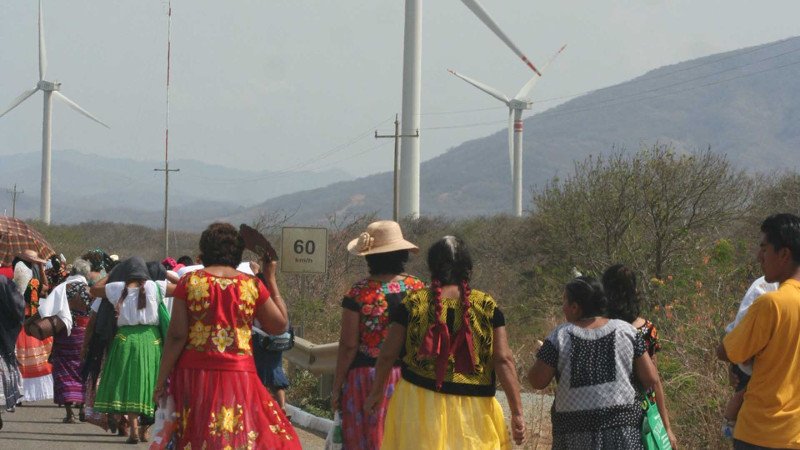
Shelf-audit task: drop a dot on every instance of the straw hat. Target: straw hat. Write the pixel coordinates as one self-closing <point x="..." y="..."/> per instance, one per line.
<point x="383" y="236"/>
<point x="31" y="256"/>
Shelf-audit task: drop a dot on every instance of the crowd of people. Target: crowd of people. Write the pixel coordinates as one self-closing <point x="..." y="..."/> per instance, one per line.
<point x="129" y="334"/>
<point x="418" y="363"/>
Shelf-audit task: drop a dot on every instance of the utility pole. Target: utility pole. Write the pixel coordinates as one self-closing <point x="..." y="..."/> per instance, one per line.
<point x="14" y="192"/>
<point x="396" y="136"/>
<point x="166" y="168"/>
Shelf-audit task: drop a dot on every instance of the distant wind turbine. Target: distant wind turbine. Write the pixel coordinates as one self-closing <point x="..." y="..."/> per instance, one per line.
<point x="49" y="89"/>
<point x="516" y="105"/>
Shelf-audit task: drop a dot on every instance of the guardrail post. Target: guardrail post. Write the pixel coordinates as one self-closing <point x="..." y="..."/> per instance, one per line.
<point x="325" y="385"/>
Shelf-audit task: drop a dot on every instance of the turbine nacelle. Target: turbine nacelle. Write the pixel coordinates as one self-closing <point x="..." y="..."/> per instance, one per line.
<point x="48" y="86"/>
<point x="520" y="104"/>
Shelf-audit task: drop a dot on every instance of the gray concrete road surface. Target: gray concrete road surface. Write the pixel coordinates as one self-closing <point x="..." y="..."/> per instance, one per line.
<point x="38" y="426"/>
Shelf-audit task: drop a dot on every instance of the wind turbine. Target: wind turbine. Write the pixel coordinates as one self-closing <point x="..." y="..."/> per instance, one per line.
<point x="412" y="80"/>
<point x="50" y="89"/>
<point x="516" y="105"/>
<point x="487" y="20"/>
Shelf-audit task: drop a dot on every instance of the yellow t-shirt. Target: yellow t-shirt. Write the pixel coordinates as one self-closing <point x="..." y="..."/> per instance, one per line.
<point x="770" y="332"/>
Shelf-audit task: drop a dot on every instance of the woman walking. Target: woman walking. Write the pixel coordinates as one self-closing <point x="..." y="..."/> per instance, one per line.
<point x="208" y="356"/>
<point x="453" y="343"/>
<point x="365" y="324"/>
<point x="128" y="377"/>
<point x="66" y="356"/>
<point x="12" y="312"/>
<point x="619" y="283"/>
<point x="594" y="360"/>
<point x="32" y="353"/>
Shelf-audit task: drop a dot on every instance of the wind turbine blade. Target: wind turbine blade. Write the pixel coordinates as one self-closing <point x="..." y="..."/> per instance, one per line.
<point x="526" y="90"/>
<point x="19" y="100"/>
<point x="511" y="143"/>
<point x="485" y="88"/>
<point x="478" y="10"/>
<point x="75" y="106"/>
<point x="42" y="52"/>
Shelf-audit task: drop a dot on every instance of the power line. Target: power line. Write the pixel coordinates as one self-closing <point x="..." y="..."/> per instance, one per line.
<point x="303" y="164"/>
<point x="633" y="97"/>
<point x="678" y="83"/>
<point x="643" y="79"/>
<point x="552" y="113"/>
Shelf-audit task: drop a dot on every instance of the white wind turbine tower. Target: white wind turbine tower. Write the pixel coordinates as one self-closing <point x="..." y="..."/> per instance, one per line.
<point x="412" y="81"/>
<point x="516" y="105"/>
<point x="49" y="89"/>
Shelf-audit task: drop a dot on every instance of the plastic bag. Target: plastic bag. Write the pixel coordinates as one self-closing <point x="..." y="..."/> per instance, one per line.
<point x="334" y="439"/>
<point x="166" y="425"/>
<point x="654" y="435"/>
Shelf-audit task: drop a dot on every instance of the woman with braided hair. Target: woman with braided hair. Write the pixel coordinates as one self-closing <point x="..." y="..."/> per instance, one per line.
<point x="365" y="324"/>
<point x="454" y="348"/>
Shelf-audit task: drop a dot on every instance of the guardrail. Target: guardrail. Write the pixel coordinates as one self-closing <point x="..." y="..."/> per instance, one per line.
<point x="319" y="359"/>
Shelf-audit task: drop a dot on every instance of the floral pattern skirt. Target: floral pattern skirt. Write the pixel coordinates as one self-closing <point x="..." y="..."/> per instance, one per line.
<point x="360" y="431"/>
<point x="228" y="409"/>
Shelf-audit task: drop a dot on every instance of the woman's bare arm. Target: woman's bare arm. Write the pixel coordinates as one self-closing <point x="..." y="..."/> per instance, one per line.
<point x="174" y="342"/>
<point x="348" y="347"/>
<point x="506" y="371"/>
<point x="390" y="351"/>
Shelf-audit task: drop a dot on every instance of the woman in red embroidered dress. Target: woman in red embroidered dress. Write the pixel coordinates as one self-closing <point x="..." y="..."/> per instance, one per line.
<point x="220" y="401"/>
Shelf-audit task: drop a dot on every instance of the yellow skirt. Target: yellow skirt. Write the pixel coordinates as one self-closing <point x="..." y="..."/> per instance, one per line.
<point x="423" y="419"/>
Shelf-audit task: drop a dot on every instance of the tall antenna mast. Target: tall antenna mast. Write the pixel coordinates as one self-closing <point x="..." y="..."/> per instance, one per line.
<point x="166" y="168"/>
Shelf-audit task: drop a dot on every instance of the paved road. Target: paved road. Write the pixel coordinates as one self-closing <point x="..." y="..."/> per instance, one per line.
<point x="38" y="426"/>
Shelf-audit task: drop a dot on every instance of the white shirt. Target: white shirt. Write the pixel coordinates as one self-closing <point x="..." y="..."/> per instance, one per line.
<point x="57" y="303"/>
<point x="130" y="314"/>
<point x="759" y="287"/>
<point x="186" y="269"/>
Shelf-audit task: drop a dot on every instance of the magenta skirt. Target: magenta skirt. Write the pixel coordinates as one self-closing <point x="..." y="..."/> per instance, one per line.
<point x="359" y="430"/>
<point x="66" y="360"/>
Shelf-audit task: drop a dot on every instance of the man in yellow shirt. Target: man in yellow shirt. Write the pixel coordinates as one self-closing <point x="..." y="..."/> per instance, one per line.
<point x="770" y="335"/>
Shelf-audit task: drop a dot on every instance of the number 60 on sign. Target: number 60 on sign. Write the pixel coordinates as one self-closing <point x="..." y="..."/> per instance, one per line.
<point x="304" y="250"/>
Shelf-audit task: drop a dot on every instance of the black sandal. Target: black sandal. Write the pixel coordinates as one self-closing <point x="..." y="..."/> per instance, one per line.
<point x="82" y="414"/>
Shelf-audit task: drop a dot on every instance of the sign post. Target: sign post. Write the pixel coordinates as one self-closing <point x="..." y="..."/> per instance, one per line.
<point x="304" y="250"/>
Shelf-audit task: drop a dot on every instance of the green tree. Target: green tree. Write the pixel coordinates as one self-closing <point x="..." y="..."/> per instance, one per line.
<point x="649" y="209"/>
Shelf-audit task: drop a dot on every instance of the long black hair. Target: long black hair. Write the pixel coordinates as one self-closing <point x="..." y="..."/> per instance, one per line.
<point x="619" y="283"/>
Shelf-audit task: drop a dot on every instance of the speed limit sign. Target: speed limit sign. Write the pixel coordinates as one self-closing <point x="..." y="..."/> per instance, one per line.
<point x="304" y="250"/>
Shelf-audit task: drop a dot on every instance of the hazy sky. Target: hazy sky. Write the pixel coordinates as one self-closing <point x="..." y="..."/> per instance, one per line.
<point x="283" y="84"/>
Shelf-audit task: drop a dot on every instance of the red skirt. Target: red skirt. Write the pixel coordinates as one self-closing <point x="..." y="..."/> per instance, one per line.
<point x="220" y="408"/>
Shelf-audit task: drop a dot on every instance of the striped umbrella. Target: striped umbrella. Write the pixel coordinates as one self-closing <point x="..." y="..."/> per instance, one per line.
<point x="16" y="236"/>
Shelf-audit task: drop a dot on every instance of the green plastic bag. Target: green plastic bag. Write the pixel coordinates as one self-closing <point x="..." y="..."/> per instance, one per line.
<point x="654" y="435"/>
<point x="163" y="316"/>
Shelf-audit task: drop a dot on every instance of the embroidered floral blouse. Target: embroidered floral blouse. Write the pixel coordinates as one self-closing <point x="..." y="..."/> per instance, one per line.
<point x="650" y="335"/>
<point x="221" y="312"/>
<point x="373" y="300"/>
